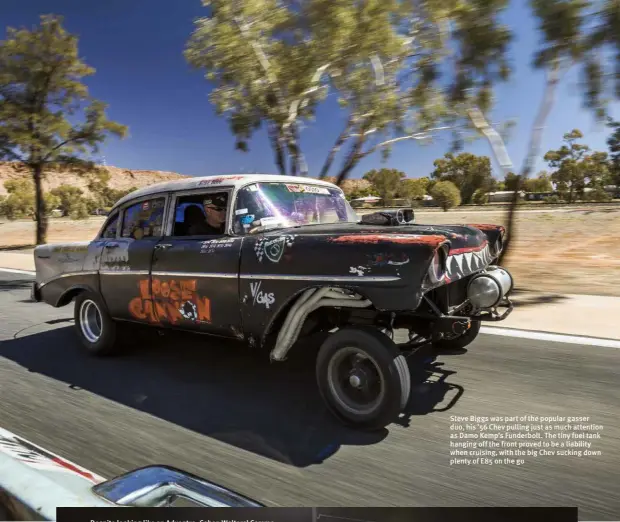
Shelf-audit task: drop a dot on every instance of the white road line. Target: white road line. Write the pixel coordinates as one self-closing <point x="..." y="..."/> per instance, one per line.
<point x="551" y="337"/>
<point x="17" y="271"/>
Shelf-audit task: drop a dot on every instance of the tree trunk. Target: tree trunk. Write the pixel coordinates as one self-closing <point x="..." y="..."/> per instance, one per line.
<point x="553" y="78"/>
<point x="352" y="160"/>
<point x="276" y="144"/>
<point x="40" y="211"/>
<point x="511" y="220"/>
<point x="332" y="153"/>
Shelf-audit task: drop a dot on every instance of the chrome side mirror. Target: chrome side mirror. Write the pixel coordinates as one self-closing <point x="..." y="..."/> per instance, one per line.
<point x="159" y="486"/>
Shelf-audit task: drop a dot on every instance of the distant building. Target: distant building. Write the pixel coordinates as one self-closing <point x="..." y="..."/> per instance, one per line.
<point x="502" y="196"/>
<point x="538" y="196"/>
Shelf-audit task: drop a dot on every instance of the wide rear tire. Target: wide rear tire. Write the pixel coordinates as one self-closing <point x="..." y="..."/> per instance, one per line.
<point x="94" y="326"/>
<point x="363" y="378"/>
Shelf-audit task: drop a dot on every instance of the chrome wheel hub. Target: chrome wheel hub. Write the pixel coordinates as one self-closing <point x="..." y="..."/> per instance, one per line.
<point x="91" y="322"/>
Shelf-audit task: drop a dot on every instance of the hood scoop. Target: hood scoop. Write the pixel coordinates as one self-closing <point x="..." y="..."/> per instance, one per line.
<point x="390" y="218"/>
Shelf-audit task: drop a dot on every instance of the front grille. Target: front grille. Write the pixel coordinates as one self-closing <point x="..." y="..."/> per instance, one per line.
<point x="457" y="291"/>
<point x="463" y="264"/>
<point x="450" y="295"/>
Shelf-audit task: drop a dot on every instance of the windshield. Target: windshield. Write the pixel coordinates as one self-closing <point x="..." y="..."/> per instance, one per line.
<point x="274" y="205"/>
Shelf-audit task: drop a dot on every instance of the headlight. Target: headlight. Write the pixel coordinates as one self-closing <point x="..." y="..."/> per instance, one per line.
<point x="437" y="269"/>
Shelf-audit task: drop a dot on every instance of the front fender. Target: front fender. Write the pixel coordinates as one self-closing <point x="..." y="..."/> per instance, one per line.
<point x="495" y="236"/>
<point x="386" y="269"/>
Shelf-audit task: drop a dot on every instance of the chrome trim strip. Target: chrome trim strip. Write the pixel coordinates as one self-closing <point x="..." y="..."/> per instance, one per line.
<point x="326" y="277"/>
<point x="220" y="275"/>
<point x="66" y="274"/>
<point x="124" y="272"/>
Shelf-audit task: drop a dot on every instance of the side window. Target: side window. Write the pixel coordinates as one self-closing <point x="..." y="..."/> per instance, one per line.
<point x="109" y="232"/>
<point x="144" y="219"/>
<point x="201" y="214"/>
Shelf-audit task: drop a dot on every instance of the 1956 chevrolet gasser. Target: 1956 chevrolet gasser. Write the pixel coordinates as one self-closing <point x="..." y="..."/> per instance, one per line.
<point x="270" y="259"/>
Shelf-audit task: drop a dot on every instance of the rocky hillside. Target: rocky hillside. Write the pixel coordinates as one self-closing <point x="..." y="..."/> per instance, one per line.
<point x="120" y="179"/>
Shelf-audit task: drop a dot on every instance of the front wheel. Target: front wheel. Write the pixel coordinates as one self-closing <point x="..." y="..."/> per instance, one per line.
<point x="363" y="378"/>
<point x="461" y="341"/>
<point x="94" y="326"/>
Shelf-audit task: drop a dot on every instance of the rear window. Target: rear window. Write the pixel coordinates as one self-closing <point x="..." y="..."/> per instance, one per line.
<point x="144" y="219"/>
<point x="109" y="232"/>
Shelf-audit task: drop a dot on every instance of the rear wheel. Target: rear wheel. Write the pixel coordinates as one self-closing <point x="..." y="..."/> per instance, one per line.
<point x="363" y="378"/>
<point x="94" y="326"/>
<point x="459" y="342"/>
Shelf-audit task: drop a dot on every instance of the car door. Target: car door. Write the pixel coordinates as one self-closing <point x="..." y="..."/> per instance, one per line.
<point x="195" y="283"/>
<point x="126" y="260"/>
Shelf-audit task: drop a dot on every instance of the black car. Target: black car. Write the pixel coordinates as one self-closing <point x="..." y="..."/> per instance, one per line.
<point x="271" y="259"/>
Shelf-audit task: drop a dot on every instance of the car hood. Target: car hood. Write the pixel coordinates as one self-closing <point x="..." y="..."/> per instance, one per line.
<point x="459" y="238"/>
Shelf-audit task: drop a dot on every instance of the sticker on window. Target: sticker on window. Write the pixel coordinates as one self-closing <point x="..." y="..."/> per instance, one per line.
<point x="241" y="211"/>
<point x="270" y="220"/>
<point x="247" y="220"/>
<point x="309" y="189"/>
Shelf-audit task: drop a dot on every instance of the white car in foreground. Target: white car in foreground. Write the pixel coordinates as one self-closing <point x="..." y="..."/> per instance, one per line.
<point x="34" y="482"/>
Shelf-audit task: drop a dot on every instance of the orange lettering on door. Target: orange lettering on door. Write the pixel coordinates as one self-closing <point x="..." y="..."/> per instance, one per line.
<point x="173" y="315"/>
<point x="187" y="289"/>
<point x="175" y="294"/>
<point x="144" y="289"/>
<point x="164" y="302"/>
<point x="136" y="309"/>
<point x="204" y="309"/>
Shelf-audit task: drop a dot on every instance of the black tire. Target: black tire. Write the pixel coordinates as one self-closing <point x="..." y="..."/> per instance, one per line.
<point x="87" y="306"/>
<point x="460" y="342"/>
<point x="378" y="363"/>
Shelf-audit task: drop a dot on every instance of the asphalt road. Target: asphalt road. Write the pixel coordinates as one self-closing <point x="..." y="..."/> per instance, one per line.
<point x="231" y="416"/>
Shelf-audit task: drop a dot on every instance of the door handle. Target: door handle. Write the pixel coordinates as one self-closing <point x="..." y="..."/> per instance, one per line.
<point x="163" y="246"/>
<point x="112" y="245"/>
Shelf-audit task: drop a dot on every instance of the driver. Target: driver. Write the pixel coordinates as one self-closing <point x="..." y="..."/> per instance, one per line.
<point x="215" y="210"/>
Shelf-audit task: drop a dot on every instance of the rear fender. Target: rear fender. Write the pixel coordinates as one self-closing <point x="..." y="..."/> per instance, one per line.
<point x="71" y="293"/>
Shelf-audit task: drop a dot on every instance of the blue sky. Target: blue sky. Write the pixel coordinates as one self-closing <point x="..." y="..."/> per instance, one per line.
<point x="136" y="47"/>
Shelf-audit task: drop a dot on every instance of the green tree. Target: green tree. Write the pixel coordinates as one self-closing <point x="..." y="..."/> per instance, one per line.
<point x="446" y="194"/>
<point x="386" y="182"/>
<point x="480" y="197"/>
<point x="574" y="167"/>
<point x="413" y="189"/>
<point x="511" y="181"/>
<point x="541" y="183"/>
<point x="467" y="171"/>
<point x="41" y="91"/>
<point x="20" y="202"/>
<point x="272" y="63"/>
<point x="613" y="143"/>
<point x="71" y="201"/>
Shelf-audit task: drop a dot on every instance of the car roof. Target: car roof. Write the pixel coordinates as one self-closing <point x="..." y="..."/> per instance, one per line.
<point x="223" y="181"/>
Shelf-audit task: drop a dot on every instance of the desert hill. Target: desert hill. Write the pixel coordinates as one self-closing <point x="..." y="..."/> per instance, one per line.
<point x="120" y="179"/>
